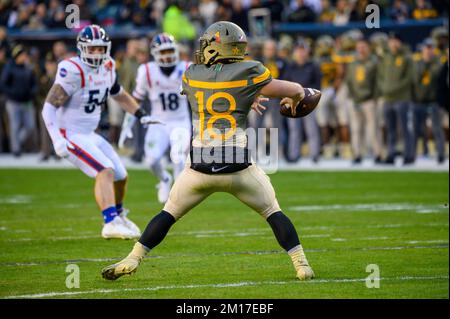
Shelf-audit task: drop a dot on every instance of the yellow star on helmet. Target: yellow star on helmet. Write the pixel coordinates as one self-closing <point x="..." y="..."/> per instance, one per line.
<point x="235" y="50"/>
<point x="217" y="37"/>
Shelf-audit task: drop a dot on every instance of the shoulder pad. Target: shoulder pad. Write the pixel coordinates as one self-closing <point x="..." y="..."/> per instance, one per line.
<point x="256" y="71"/>
<point x="70" y="66"/>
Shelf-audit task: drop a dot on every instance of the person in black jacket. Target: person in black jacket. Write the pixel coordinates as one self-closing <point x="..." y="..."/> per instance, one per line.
<point x="425" y="79"/>
<point x="301" y="13"/>
<point x="272" y="117"/>
<point x="442" y="93"/>
<point x="4" y="54"/>
<point x="19" y="84"/>
<point x="442" y="88"/>
<point x="303" y="70"/>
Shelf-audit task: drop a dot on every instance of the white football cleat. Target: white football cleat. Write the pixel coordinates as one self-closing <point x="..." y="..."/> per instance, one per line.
<point x="117" y="229"/>
<point x="305" y="272"/>
<point x="301" y="265"/>
<point x="129" y="224"/>
<point x="164" y="189"/>
<point x="127" y="266"/>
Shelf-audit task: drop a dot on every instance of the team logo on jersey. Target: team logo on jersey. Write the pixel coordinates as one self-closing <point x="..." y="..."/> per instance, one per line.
<point x="63" y="72"/>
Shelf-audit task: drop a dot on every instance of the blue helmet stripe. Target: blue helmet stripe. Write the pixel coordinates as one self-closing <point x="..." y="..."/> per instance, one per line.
<point x="91" y="28"/>
<point x="162" y="38"/>
<point x="88" y="32"/>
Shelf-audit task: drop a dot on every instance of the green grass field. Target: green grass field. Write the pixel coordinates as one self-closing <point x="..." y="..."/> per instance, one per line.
<point x="221" y="249"/>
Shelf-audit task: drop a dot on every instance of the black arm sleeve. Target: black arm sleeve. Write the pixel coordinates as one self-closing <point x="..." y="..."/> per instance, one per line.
<point x="116" y="86"/>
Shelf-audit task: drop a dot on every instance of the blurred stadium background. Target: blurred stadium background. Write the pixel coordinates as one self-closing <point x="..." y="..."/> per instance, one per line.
<point x="346" y="220"/>
<point x="292" y="38"/>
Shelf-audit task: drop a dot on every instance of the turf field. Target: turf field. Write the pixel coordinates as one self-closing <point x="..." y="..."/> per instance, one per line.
<point x="221" y="249"/>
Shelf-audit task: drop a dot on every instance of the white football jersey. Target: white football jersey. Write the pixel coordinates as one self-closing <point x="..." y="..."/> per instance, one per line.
<point x="88" y="89"/>
<point x="164" y="92"/>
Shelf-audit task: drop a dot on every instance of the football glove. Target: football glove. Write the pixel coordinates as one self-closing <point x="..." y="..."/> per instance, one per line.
<point x="147" y="119"/>
<point x="127" y="126"/>
<point x="62" y="147"/>
<point x="127" y="129"/>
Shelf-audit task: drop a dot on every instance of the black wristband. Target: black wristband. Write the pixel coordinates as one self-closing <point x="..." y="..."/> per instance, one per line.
<point x="140" y="113"/>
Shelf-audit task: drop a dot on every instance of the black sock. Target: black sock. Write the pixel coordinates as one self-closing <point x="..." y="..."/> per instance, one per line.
<point x="284" y="230"/>
<point x="157" y="229"/>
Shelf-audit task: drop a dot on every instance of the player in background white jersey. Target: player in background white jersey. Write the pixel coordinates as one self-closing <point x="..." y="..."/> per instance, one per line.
<point x="160" y="82"/>
<point x="71" y="114"/>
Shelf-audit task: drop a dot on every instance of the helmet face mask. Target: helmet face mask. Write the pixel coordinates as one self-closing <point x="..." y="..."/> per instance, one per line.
<point x="94" y="59"/>
<point x="208" y="53"/>
<point x="165" y="50"/>
<point x="90" y="38"/>
<point x="199" y="57"/>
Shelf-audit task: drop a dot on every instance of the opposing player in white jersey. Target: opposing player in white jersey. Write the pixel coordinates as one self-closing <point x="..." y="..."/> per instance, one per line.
<point x="71" y="114"/>
<point x="160" y="82"/>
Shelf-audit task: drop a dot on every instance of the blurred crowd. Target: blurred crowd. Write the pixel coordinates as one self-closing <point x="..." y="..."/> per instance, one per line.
<point x="380" y="97"/>
<point x="41" y="15"/>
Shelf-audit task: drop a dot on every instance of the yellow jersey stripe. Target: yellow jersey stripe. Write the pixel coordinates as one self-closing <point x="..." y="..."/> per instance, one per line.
<point x="226" y="85"/>
<point x="262" y="77"/>
<point x="217" y="85"/>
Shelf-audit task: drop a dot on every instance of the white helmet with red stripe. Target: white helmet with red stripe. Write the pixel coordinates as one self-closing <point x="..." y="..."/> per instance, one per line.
<point x="93" y="36"/>
<point x="165" y="50"/>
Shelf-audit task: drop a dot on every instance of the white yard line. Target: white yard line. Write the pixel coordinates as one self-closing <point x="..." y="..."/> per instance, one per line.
<point x="58" y="238"/>
<point x="265" y="234"/>
<point x="376" y="238"/>
<point x="438" y="241"/>
<point x="403" y="247"/>
<point x="403" y="225"/>
<point x="374" y="207"/>
<point x="439" y="245"/>
<point x="15" y="199"/>
<point x="222" y="234"/>
<point x="250" y="230"/>
<point x="222" y="285"/>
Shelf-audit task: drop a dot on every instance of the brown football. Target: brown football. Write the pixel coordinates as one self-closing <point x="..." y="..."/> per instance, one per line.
<point x="306" y="106"/>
